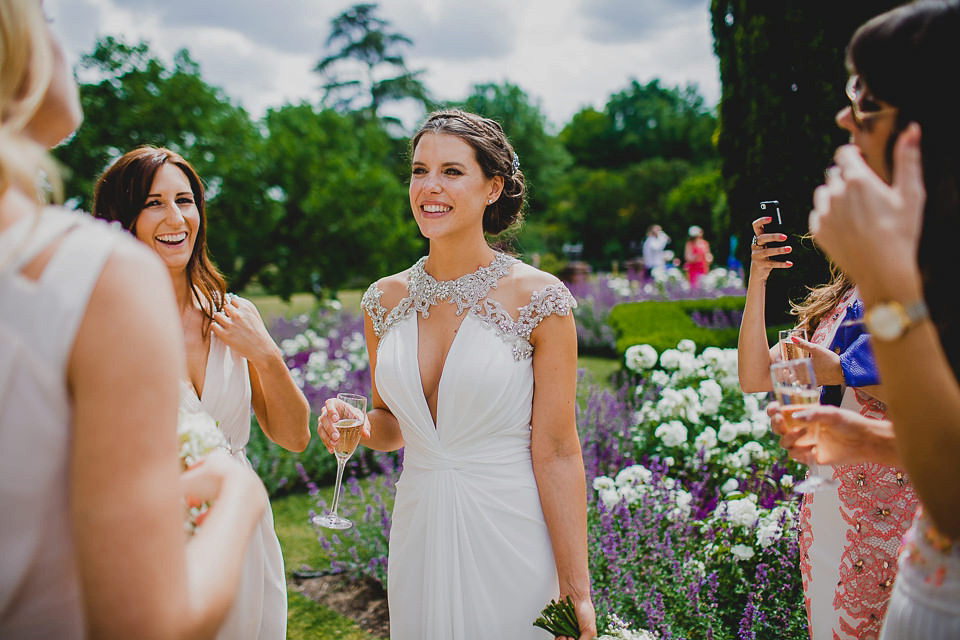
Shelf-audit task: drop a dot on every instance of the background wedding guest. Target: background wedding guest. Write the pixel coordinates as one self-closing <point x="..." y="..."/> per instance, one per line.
<point x="473" y="358"/>
<point x="887" y="216"/>
<point x="697" y="256"/>
<point x="654" y="247"/>
<point x="232" y="362"/>
<point x="848" y="555"/>
<point x="93" y="527"/>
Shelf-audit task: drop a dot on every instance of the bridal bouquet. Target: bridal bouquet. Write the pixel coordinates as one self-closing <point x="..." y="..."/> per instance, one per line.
<point x="560" y="619"/>
<point x="198" y="435"/>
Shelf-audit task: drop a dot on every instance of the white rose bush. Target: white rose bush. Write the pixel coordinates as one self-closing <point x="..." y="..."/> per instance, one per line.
<point x="692" y="515"/>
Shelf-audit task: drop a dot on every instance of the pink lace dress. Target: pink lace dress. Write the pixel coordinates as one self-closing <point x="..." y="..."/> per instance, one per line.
<point x="849" y="534"/>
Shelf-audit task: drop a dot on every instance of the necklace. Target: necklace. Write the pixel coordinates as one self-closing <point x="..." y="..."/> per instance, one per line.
<point x="466" y="291"/>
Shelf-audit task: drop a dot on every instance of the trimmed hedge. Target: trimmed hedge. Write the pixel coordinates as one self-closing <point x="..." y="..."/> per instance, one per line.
<point x="664" y="323"/>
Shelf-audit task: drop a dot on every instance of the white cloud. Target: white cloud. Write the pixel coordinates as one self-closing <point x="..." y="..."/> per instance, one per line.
<point x="567" y="54"/>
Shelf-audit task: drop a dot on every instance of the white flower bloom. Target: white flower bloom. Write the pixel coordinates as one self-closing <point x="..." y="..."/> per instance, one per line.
<point x="760" y="429"/>
<point x="687" y="346"/>
<point x="751" y="452"/>
<point x="706" y="440"/>
<point x="742" y="551"/>
<point x="687" y="364"/>
<point x="660" y="378"/>
<point x="683" y="500"/>
<point x="669" y="461"/>
<point x="727" y="432"/>
<point x="601" y="483"/>
<point x="672" y="434"/>
<point x="741" y="512"/>
<point x="670" y="359"/>
<point x="198" y="435"/>
<point x="786" y="481"/>
<point x="634" y="475"/>
<point x="711" y="395"/>
<point x="731" y="485"/>
<point x="767" y="534"/>
<point x="640" y="357"/>
<point x="609" y="497"/>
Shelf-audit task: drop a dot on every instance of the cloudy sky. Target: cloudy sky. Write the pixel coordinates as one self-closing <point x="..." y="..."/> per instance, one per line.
<point x="567" y="54"/>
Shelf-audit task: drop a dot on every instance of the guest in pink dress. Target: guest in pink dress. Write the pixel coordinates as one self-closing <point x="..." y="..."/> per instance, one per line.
<point x="697" y="255"/>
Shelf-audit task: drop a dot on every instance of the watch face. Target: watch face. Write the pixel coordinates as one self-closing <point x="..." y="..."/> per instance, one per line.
<point x="885" y="322"/>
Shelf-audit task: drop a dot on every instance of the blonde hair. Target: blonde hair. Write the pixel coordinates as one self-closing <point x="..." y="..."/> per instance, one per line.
<point x="26" y="69"/>
<point x="821" y="300"/>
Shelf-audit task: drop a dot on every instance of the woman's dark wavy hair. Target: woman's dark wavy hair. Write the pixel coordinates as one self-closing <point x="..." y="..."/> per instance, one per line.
<point x="905" y="57"/>
<point x="120" y="195"/>
<point x="495" y="156"/>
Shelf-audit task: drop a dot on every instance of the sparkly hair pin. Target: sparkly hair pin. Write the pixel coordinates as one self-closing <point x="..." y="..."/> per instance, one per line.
<point x="515" y="164"/>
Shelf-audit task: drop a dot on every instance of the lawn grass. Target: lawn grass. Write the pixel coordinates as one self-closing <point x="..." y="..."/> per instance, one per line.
<point x="307" y="619"/>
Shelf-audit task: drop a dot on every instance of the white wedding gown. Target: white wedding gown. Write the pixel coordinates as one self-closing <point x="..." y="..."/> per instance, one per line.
<point x="259" y="610"/>
<point x="470" y="554"/>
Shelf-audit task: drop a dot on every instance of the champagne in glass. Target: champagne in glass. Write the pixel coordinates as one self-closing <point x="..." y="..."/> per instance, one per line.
<point x="796" y="389"/>
<point x="353" y="411"/>
<point x="788" y="349"/>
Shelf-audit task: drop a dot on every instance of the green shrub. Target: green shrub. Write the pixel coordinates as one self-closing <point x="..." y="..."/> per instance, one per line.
<point x="663" y="323"/>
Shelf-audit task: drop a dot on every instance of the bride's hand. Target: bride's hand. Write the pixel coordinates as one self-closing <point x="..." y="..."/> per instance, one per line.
<point x="331" y="412"/>
<point x="586" y="619"/>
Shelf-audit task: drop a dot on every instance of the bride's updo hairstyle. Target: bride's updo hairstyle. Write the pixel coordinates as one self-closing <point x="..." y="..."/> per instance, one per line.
<point x="121" y="193"/>
<point x="26" y="70"/>
<point x="495" y="156"/>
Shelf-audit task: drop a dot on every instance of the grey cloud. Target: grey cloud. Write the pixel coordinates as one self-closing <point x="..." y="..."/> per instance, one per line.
<point x="291" y="26"/>
<point x="458" y="31"/>
<point x="635" y="20"/>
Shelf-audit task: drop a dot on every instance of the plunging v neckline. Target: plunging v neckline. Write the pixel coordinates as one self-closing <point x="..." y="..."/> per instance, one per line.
<point x="206" y="372"/>
<point x="443" y="367"/>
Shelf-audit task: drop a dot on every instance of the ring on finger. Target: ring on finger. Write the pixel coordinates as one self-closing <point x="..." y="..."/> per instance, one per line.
<point x="756" y="242"/>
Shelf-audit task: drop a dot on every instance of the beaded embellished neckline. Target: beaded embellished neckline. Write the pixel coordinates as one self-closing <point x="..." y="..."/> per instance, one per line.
<point x="467" y="291"/>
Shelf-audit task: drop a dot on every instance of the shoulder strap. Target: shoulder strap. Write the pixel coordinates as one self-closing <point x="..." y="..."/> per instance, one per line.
<point x="371" y="304"/>
<point x="554" y="299"/>
<point x="77" y="263"/>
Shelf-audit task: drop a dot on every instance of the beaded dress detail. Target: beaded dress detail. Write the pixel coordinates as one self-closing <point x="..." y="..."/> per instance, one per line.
<point x="470" y="555"/>
<point x="469" y="293"/>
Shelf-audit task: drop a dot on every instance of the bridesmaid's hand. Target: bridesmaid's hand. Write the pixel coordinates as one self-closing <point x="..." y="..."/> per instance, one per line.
<point x="789" y="436"/>
<point x="241" y="328"/>
<point x="760" y="263"/>
<point x="217" y="473"/>
<point x="826" y="363"/>
<point x="329" y="415"/>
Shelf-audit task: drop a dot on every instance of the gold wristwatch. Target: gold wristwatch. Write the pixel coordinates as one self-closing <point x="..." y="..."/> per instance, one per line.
<point x="888" y="321"/>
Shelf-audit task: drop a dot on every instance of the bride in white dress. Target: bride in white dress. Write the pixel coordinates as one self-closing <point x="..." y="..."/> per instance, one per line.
<point x="473" y="357"/>
<point x="232" y="362"/>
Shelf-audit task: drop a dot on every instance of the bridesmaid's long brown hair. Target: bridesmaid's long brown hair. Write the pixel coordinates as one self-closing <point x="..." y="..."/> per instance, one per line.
<point x="121" y="193"/>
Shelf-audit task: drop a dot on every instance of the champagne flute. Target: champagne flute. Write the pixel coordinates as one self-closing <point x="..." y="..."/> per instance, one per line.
<point x="353" y="413"/>
<point x="788" y="349"/>
<point x="796" y="389"/>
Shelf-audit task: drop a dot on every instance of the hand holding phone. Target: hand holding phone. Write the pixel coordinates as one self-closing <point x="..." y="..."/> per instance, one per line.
<point x="771" y="209"/>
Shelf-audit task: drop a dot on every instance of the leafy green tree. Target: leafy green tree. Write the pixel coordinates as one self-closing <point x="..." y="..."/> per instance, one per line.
<point x="609" y="210"/>
<point x="343" y="216"/>
<point x="139" y="100"/>
<point x="542" y="157"/>
<point x="365" y="68"/>
<point x="699" y="199"/>
<point x="782" y="72"/>
<point x="643" y="121"/>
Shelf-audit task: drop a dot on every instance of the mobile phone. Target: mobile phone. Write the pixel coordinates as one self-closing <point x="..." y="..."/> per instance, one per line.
<point x="771" y="208"/>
